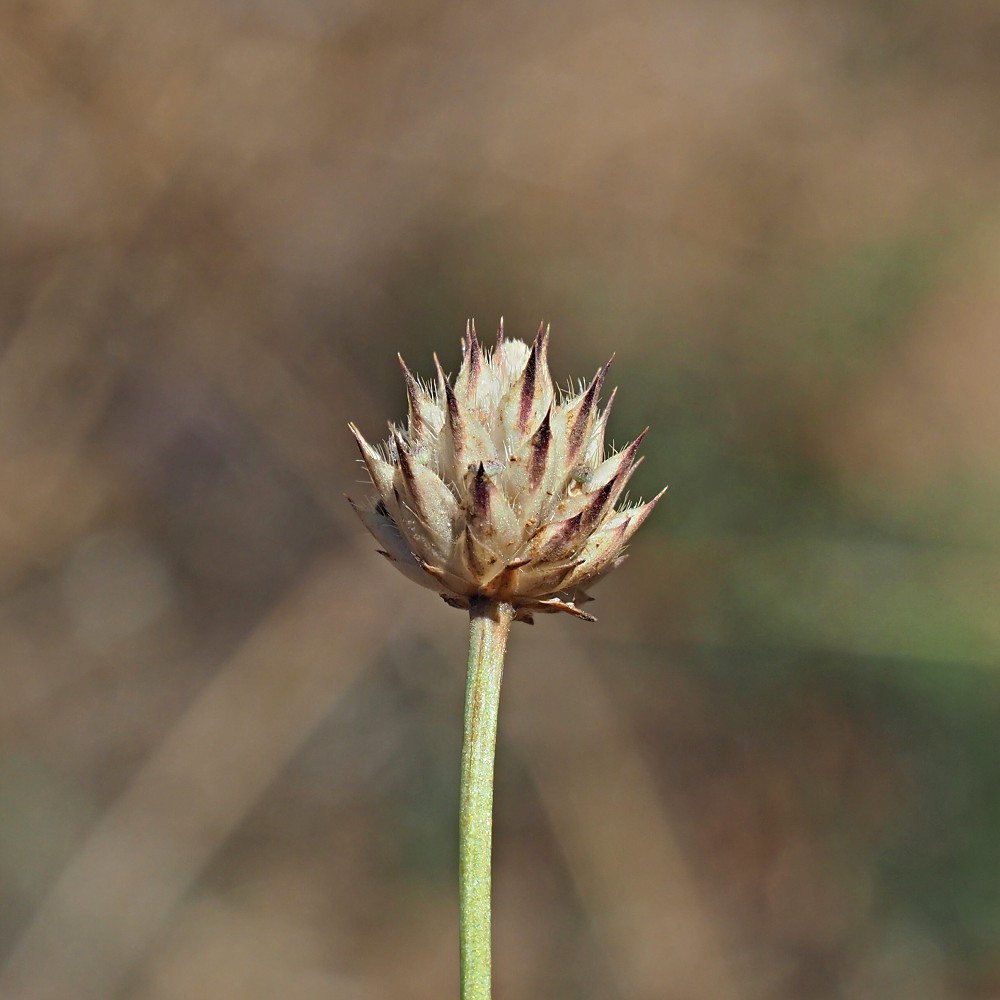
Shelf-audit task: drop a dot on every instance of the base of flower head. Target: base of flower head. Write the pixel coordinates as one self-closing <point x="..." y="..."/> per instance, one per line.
<point x="525" y="612"/>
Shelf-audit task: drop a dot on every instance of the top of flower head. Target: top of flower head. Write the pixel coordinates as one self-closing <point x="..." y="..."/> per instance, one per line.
<point x="499" y="486"/>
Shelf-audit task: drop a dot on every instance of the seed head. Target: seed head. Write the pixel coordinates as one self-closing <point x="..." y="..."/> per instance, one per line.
<point x="499" y="486"/>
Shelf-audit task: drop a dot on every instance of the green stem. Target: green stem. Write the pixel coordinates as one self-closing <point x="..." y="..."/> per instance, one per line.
<point x="489" y="624"/>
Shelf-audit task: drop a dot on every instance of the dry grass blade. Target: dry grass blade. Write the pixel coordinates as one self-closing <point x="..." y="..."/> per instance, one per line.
<point x="121" y="887"/>
<point x="623" y="854"/>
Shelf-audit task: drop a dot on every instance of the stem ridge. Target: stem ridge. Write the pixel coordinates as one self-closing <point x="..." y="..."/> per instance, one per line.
<point x="489" y="625"/>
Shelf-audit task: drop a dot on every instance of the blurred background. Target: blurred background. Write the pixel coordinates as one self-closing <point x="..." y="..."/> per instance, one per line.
<point x="229" y="731"/>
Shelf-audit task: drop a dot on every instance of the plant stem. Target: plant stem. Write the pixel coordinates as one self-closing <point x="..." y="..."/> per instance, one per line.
<point x="489" y="625"/>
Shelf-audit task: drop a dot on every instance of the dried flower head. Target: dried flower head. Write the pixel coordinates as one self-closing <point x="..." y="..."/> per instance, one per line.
<point x="499" y="487"/>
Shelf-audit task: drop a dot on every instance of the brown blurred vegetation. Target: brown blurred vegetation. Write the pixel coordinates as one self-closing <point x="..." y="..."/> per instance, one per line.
<point x="230" y="732"/>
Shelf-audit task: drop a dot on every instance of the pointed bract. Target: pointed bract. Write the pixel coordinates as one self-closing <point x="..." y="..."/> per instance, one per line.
<point x="419" y="405"/>
<point x="539" y="446"/>
<point x="379" y="469"/>
<point x="472" y="365"/>
<point x="425" y="494"/>
<point x="581" y="418"/>
<point x="452" y="440"/>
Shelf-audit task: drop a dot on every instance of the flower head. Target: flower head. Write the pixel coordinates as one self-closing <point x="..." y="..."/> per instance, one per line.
<point x="499" y="486"/>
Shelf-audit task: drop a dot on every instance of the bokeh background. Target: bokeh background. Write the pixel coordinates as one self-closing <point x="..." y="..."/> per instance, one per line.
<point x="229" y="731"/>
